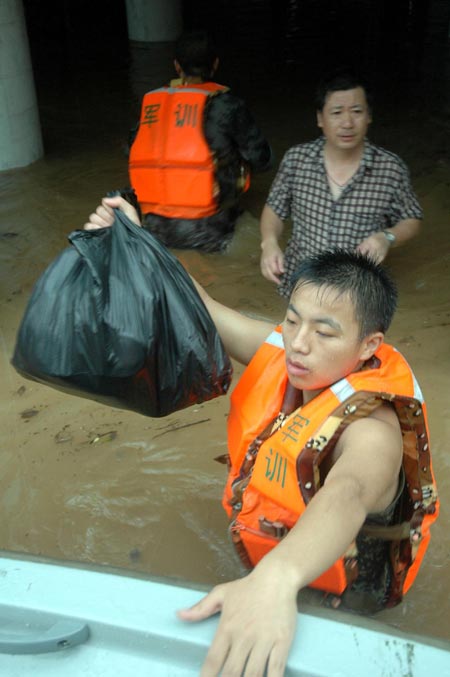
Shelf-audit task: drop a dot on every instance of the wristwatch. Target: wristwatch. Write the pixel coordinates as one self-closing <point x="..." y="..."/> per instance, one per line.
<point x="389" y="235"/>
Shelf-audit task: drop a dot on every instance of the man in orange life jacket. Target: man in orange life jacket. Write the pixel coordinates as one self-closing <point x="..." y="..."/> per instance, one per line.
<point x="194" y="150"/>
<point x="329" y="458"/>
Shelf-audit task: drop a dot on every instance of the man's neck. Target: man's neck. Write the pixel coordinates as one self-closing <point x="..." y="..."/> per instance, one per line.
<point x="341" y="165"/>
<point x="192" y="80"/>
<point x="309" y="395"/>
<point x="343" y="156"/>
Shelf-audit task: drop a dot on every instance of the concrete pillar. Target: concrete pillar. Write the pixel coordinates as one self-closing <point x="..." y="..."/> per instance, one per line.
<point x="154" y="20"/>
<point x="20" y="134"/>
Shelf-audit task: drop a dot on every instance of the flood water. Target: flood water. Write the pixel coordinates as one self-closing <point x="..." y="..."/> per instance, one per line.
<point x="148" y="498"/>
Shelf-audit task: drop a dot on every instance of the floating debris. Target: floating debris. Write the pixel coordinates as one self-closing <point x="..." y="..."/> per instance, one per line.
<point x="21" y="390"/>
<point x="134" y="555"/>
<point x="105" y="437"/>
<point x="63" y="436"/>
<point x="29" y="413"/>
<point x="174" y="428"/>
<point x="8" y="236"/>
<point x="407" y="340"/>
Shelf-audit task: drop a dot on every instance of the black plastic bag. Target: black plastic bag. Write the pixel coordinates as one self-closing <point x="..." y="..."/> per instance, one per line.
<point x="118" y="318"/>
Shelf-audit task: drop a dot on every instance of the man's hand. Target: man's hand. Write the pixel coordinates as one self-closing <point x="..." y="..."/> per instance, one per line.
<point x="103" y="217"/>
<point x="376" y="246"/>
<point x="272" y="261"/>
<point x="272" y="258"/>
<point x="257" y="625"/>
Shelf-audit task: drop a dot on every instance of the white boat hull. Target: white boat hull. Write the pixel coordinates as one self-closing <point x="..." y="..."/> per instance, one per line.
<point x="58" y="620"/>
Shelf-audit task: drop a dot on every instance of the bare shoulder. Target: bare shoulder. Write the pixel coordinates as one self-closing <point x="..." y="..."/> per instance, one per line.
<point x="386" y="414"/>
<point x="370" y="450"/>
<point x="380" y="427"/>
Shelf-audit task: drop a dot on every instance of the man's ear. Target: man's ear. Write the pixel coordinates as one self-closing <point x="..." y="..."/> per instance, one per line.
<point x="178" y="68"/>
<point x="215" y="65"/>
<point x="370" y="345"/>
<point x="319" y="119"/>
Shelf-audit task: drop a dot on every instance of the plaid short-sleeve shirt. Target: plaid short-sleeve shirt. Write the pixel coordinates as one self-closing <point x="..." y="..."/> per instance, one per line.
<point x="378" y="196"/>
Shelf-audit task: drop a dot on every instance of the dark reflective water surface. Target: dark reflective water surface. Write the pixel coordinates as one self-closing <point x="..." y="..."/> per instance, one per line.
<point x="147" y="497"/>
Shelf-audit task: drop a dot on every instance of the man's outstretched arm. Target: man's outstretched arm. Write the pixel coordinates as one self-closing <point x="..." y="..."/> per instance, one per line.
<point x="259" y="612"/>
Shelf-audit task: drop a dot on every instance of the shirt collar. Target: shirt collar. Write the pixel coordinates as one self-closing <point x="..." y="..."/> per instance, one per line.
<point x="315" y="154"/>
<point x="368" y="157"/>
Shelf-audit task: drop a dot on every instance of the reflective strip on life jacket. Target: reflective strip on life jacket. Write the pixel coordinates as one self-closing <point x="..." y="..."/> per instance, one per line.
<point x="275" y="339"/>
<point x="342" y="389"/>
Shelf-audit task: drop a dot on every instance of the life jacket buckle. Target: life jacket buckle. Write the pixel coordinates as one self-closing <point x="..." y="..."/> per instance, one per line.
<point x="276" y="529"/>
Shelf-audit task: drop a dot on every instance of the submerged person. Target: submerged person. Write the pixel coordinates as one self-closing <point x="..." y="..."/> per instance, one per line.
<point x="195" y="149"/>
<point x="330" y="482"/>
<point x="339" y="190"/>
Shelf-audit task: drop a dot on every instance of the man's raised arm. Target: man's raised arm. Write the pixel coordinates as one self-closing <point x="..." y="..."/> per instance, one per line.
<point x="240" y="335"/>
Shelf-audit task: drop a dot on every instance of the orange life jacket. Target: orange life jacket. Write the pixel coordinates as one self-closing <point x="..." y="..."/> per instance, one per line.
<point x="271" y="481"/>
<point x="171" y="166"/>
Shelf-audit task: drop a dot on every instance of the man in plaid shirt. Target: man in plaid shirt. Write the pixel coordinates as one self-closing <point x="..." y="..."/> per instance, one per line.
<point x="339" y="190"/>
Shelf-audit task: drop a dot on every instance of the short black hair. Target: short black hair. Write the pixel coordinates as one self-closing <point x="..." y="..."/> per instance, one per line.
<point x="368" y="284"/>
<point x="195" y="52"/>
<point x="338" y="81"/>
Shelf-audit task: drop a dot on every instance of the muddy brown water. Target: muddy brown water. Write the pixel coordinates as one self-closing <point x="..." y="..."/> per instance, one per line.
<point x="83" y="482"/>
